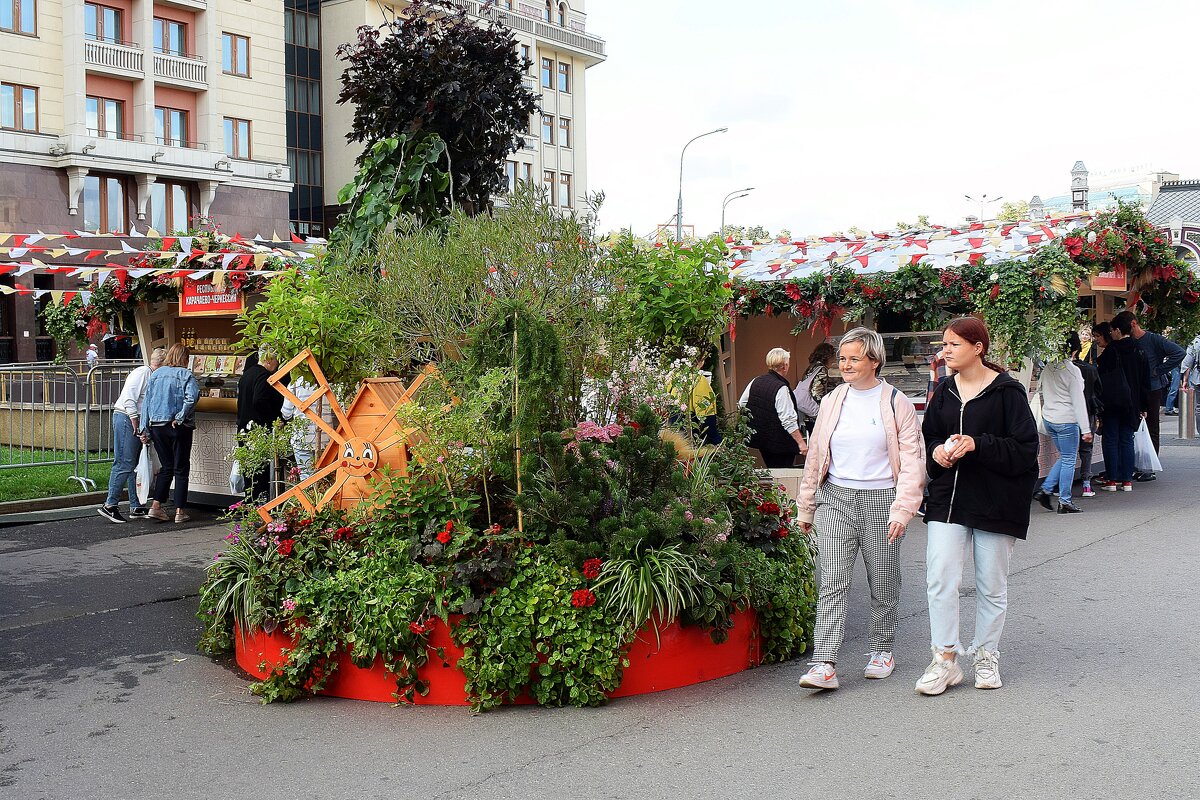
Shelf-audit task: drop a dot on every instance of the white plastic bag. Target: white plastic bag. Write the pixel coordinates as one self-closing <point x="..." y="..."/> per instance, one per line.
<point x="1035" y="405"/>
<point x="237" y="481"/>
<point x="1144" y="457"/>
<point x="145" y="477"/>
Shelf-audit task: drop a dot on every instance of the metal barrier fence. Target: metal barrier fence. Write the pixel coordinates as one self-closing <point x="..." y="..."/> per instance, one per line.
<point x="59" y="414"/>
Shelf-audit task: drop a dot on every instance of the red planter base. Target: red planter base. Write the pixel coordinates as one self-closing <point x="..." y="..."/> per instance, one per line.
<point x="686" y="656"/>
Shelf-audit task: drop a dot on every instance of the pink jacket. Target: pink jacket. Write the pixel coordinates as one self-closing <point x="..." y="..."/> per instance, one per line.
<point x="906" y="451"/>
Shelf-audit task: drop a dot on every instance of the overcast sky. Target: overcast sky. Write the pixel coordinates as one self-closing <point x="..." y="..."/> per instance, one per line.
<point x="865" y="112"/>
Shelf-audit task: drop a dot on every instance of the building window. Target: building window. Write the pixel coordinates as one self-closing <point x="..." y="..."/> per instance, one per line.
<point x="303" y="95"/>
<point x="101" y="23"/>
<point x="18" y="16"/>
<point x="547" y="129"/>
<point x="548" y="11"/>
<point x="105" y="118"/>
<point x="564" y="132"/>
<point x="302" y="30"/>
<point x="170" y="207"/>
<point x="564" y="191"/>
<point x="237" y="137"/>
<point x="510" y="175"/>
<point x="18" y="107"/>
<point x="526" y="57"/>
<point x="170" y="37"/>
<point x="564" y="77"/>
<point x="235" y="54"/>
<point x="548" y="185"/>
<point x="170" y="126"/>
<point x="104" y="204"/>
<point x="527" y="174"/>
<point x="562" y="15"/>
<point x="305" y="166"/>
<point x="548" y="73"/>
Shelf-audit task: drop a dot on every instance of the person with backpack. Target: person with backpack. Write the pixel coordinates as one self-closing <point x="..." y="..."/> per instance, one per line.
<point x="862" y="484"/>
<point x="1125" y="395"/>
<point x="815" y="384"/>
<point x="1189" y="370"/>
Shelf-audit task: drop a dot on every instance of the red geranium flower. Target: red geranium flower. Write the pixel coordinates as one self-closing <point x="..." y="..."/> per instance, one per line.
<point x="582" y="598"/>
<point x="995" y="291"/>
<point x="591" y="568"/>
<point x="444" y="536"/>
<point x="782" y="532"/>
<point x="285" y="546"/>
<point x="417" y="628"/>
<point x="1073" y="245"/>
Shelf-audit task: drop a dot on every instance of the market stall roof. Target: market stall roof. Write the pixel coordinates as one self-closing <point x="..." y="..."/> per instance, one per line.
<point x="1176" y="199"/>
<point x="938" y="246"/>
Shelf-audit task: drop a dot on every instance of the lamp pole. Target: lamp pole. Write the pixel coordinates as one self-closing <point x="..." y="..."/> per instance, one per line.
<point x="679" y="205"/>
<point x="983" y="200"/>
<point x="736" y="194"/>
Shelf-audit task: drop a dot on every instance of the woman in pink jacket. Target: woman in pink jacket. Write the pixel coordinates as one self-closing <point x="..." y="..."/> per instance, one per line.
<point x="862" y="484"/>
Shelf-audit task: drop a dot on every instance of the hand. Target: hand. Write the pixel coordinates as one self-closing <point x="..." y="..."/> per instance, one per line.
<point x="1087" y="437"/>
<point x="174" y="423"/>
<point x="1144" y="414"/>
<point x="939" y="457"/>
<point x="895" y="531"/>
<point x="962" y="445"/>
<point x="803" y="447"/>
<point x="806" y="527"/>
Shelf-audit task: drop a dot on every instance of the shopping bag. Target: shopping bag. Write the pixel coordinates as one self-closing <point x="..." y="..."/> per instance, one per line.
<point x="1144" y="457"/>
<point x="237" y="481"/>
<point x="145" y="477"/>
<point x="1035" y="406"/>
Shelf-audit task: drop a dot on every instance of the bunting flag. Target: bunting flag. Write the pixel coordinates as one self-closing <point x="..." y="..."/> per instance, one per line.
<point x="888" y="251"/>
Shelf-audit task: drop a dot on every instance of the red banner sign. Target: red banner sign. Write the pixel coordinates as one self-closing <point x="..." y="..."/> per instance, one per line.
<point x="202" y="298"/>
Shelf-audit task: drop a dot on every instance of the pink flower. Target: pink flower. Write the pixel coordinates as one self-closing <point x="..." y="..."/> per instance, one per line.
<point x="688" y="516"/>
<point x="289" y="605"/>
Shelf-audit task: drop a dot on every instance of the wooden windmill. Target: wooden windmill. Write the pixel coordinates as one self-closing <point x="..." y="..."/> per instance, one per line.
<point x="367" y="439"/>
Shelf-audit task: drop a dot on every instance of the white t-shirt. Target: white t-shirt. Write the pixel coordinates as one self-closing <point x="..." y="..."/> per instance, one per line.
<point x="858" y="454"/>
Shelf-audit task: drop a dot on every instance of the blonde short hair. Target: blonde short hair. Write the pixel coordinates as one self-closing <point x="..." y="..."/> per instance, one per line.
<point x="158" y="356"/>
<point x="872" y="344"/>
<point x="778" y="357"/>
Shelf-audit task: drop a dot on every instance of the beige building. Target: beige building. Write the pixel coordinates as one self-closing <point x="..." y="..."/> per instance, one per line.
<point x="552" y="35"/>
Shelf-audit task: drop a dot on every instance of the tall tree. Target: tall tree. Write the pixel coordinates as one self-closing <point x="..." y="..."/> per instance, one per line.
<point x="438" y="71"/>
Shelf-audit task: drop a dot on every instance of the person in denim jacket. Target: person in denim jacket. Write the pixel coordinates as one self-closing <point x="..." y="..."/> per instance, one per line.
<point x="170" y="420"/>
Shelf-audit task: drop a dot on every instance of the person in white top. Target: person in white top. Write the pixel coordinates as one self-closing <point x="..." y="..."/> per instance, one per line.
<point x="304" y="434"/>
<point x="127" y="445"/>
<point x="774" y="416"/>
<point x="1065" y="417"/>
<point x="862" y="484"/>
<point x="93" y="355"/>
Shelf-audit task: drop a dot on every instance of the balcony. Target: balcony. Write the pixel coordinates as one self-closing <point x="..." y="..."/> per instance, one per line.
<point x="526" y="17"/>
<point x="124" y="59"/>
<point x="198" y="5"/>
<point x="189" y="72"/>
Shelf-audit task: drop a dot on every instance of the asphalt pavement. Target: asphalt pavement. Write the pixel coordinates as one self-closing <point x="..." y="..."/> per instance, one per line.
<point x="103" y="695"/>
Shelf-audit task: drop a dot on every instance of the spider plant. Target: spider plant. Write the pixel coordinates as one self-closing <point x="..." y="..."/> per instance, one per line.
<point x="651" y="585"/>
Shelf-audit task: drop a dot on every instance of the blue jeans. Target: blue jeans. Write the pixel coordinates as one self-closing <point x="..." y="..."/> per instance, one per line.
<point x="1173" y="392"/>
<point x="945" y="556"/>
<point x="1117" y="443"/>
<point x="1062" y="474"/>
<point x="127" y="448"/>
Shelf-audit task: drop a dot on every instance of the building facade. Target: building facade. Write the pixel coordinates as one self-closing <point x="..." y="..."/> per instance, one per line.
<point x="121" y="114"/>
<point x="552" y="36"/>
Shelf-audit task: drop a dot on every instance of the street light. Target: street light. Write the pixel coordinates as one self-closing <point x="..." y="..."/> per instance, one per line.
<point x="729" y="198"/>
<point x="983" y="200"/>
<point x="679" y="205"/>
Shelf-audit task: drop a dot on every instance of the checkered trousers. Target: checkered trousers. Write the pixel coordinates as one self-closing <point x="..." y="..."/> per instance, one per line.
<point x="847" y="521"/>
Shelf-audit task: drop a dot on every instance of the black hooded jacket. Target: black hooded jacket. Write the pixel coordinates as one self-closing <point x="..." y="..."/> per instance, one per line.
<point x="991" y="487"/>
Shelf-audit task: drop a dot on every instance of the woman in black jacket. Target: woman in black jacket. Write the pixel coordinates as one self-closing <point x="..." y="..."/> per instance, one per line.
<point x="1123" y="379"/>
<point x="981" y="444"/>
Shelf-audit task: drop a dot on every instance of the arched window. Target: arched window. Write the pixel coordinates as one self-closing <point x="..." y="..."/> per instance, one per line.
<point x="562" y="14"/>
<point x="549" y="12"/>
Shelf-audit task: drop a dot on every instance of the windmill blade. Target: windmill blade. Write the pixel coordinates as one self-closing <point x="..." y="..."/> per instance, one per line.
<point x="324" y="391"/>
<point x="334" y="489"/>
<point x="297" y="493"/>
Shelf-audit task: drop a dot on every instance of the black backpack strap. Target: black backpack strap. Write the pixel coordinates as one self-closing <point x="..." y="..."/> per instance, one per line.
<point x="895" y="392"/>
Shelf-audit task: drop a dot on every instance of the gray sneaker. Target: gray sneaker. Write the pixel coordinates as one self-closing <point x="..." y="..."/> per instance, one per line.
<point x="987" y="669"/>
<point x="941" y="674"/>
<point x="111" y="513"/>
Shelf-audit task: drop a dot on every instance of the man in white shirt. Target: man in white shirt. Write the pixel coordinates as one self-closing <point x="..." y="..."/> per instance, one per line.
<point x="773" y="413"/>
<point x="127" y="446"/>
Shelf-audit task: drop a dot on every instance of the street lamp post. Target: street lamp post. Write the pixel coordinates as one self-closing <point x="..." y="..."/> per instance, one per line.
<point x="983" y="200"/>
<point x="679" y="205"/>
<point x="736" y="194"/>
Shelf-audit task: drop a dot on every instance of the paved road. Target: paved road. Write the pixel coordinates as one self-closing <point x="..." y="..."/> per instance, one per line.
<point x="102" y="694"/>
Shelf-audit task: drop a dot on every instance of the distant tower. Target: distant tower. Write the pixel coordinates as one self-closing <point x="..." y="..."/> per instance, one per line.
<point x="1037" y="210"/>
<point x="1079" y="187"/>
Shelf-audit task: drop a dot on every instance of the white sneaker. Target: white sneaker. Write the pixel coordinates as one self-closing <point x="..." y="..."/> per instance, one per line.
<point x="880" y="665"/>
<point x="941" y="674"/>
<point x="987" y="669"/>
<point x="822" y="675"/>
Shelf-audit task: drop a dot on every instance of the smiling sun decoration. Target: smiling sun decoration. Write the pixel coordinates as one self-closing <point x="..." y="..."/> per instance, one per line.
<point x="368" y="437"/>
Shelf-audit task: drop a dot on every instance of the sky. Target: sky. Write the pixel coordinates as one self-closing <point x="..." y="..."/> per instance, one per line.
<point x="867" y="112"/>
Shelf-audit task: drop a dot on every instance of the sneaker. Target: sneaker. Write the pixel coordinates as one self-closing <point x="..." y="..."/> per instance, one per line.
<point x="880" y="665"/>
<point x="1126" y="487"/>
<point x="1043" y="498"/>
<point x="1087" y="489"/>
<point x="821" y="675"/>
<point x="158" y="515"/>
<point x="139" y="513"/>
<point x="111" y="513"/>
<point x="1171" y="413"/>
<point x="1068" y="508"/>
<point x="987" y="669"/>
<point x="941" y="674"/>
<point x="1109" y="486"/>
<point x="1145" y="477"/>
<point x="180" y="517"/>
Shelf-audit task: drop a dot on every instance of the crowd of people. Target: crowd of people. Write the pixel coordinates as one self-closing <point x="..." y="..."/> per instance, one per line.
<point x="969" y="465"/>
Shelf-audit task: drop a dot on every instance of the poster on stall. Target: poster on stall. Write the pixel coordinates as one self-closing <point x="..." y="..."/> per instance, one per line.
<point x="201" y="298"/>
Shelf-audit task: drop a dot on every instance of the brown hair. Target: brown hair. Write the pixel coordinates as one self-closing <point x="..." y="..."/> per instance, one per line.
<point x="823" y="354"/>
<point x="177" y="356"/>
<point x="974" y="331"/>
